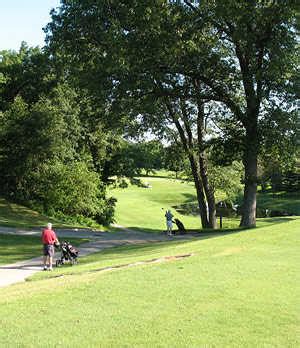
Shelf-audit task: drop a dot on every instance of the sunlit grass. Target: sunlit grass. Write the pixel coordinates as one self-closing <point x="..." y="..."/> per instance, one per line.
<point x="144" y="208"/>
<point x="237" y="290"/>
<point x="19" y="248"/>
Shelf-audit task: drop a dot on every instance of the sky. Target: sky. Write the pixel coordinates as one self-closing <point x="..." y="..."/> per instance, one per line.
<point x="23" y="20"/>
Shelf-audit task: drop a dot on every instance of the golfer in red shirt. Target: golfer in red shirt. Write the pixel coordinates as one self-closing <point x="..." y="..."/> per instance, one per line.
<point x="48" y="240"/>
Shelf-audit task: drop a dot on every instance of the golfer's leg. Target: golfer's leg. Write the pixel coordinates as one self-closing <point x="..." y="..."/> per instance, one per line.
<point x="45" y="261"/>
<point x="50" y="261"/>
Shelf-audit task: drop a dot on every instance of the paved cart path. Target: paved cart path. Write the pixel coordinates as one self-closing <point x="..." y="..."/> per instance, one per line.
<point x="19" y="271"/>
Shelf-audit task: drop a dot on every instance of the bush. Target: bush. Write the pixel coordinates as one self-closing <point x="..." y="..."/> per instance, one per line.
<point x="72" y="190"/>
<point x="123" y="184"/>
<point x="106" y="216"/>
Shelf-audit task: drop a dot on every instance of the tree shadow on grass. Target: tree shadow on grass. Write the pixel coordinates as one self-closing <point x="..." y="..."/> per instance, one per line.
<point x="145" y="250"/>
<point x="208" y="233"/>
<point x="149" y="246"/>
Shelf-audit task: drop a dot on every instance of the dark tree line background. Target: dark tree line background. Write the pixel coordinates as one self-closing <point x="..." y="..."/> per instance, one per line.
<point x="216" y="80"/>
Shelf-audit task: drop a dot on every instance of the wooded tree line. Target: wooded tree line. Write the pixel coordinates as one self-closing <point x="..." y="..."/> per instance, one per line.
<point x="216" y="78"/>
<point x="51" y="153"/>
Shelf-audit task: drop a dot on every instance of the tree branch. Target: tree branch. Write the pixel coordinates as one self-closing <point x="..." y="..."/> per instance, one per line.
<point x="186" y="123"/>
<point x="191" y="6"/>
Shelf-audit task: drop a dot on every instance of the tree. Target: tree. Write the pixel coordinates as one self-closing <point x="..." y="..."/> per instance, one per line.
<point x="128" y="73"/>
<point x="45" y="160"/>
<point x="175" y="158"/>
<point x="168" y="64"/>
<point x="27" y="73"/>
<point x="130" y="158"/>
<point x="149" y="155"/>
<point x="29" y="136"/>
<point x="259" y="41"/>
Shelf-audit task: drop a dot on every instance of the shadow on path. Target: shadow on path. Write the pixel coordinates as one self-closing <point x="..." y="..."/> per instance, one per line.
<point x="18" y="272"/>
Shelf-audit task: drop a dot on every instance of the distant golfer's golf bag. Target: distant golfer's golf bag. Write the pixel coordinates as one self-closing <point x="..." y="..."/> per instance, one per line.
<point x="180" y="226"/>
<point x="68" y="253"/>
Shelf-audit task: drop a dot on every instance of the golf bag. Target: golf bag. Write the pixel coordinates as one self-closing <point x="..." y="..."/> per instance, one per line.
<point x="68" y="253"/>
<point x="180" y="226"/>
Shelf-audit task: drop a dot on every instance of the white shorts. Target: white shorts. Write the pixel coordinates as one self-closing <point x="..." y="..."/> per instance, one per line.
<point x="169" y="224"/>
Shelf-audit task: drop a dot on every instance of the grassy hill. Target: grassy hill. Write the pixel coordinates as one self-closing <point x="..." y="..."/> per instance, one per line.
<point x="236" y="290"/>
<point x="17" y="215"/>
<point x="282" y="201"/>
<point x="139" y="207"/>
<point x="144" y="208"/>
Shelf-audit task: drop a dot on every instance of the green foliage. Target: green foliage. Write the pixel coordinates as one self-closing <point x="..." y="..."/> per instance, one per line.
<point x="26" y="73"/>
<point x="149" y="155"/>
<point x="130" y="158"/>
<point x="175" y="159"/>
<point x="69" y="188"/>
<point x="160" y="63"/>
<point x="279" y="149"/>
<point x="221" y="77"/>
<point x="44" y="159"/>
<point x="29" y="137"/>
<point x="227" y="181"/>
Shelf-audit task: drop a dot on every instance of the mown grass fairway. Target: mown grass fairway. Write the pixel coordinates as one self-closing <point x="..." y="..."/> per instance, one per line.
<point x="18" y="248"/>
<point x="141" y="208"/>
<point x="145" y="208"/>
<point x="237" y="290"/>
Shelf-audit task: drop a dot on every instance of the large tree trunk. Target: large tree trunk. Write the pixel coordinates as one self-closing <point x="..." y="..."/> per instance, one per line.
<point x="210" y="197"/>
<point x="250" y="163"/>
<point x="209" y="193"/>
<point x="200" y="194"/>
<point x="188" y="146"/>
<point x="251" y="144"/>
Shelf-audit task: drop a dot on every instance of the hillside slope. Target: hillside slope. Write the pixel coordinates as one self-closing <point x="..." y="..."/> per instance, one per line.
<point x="236" y="290"/>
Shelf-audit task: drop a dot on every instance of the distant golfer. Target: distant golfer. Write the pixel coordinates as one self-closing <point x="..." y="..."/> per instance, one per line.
<point x="169" y="218"/>
<point x="48" y="240"/>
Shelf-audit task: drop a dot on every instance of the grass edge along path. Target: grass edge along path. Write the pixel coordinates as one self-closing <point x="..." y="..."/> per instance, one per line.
<point x="16" y="248"/>
<point x="238" y="290"/>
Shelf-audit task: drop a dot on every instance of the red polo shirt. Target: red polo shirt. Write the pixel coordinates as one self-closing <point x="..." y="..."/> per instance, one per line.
<point x="48" y="236"/>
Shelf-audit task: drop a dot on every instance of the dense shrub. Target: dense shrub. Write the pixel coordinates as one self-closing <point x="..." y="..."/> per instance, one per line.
<point x="72" y="190"/>
<point x="44" y="163"/>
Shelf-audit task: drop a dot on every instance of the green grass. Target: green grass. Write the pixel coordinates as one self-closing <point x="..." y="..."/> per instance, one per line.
<point x="144" y="208"/>
<point x="283" y="201"/>
<point x="141" y="208"/>
<point x="16" y="215"/>
<point x="237" y="290"/>
<point x="19" y="248"/>
<point x="163" y="173"/>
